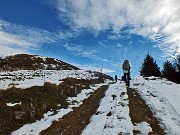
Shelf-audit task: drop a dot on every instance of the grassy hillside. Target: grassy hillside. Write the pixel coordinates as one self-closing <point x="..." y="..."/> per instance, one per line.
<point x="33" y="62"/>
<point x="35" y="101"/>
<point x="22" y="105"/>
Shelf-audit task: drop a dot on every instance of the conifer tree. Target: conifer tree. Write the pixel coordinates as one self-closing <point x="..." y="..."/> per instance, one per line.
<point x="177" y="66"/>
<point x="149" y="67"/>
<point x="169" y="71"/>
<point x="178" y="63"/>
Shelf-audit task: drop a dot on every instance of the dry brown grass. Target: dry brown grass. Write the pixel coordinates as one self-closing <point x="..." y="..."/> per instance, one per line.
<point x="50" y="88"/>
<point x="36" y="101"/>
<point x="32" y="62"/>
<point x="74" y="122"/>
<point x="140" y="112"/>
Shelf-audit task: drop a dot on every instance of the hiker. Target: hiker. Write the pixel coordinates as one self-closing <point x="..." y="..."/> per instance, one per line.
<point x="116" y="78"/>
<point x="126" y="70"/>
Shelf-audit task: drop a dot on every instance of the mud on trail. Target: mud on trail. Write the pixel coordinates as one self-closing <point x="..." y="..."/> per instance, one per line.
<point x="140" y="112"/>
<point x="74" y="122"/>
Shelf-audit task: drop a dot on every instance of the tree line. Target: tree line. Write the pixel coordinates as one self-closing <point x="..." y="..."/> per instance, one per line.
<point x="170" y="71"/>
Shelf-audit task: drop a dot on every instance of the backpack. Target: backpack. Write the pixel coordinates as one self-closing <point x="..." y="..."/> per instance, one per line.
<point x="126" y="66"/>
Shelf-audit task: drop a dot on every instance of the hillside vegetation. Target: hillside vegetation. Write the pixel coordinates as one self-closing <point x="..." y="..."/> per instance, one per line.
<point x="29" y="91"/>
<point x="33" y="62"/>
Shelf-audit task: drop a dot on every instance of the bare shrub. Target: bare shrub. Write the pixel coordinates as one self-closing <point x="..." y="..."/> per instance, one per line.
<point x="50" y="88"/>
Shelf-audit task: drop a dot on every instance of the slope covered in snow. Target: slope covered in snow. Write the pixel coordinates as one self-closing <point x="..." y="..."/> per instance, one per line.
<point x="32" y="93"/>
<point x="28" y="78"/>
<point x="162" y="97"/>
<point x="112" y="115"/>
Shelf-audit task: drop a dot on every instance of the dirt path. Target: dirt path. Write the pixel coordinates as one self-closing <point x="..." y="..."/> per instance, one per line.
<point x="74" y="122"/>
<point x="140" y="112"/>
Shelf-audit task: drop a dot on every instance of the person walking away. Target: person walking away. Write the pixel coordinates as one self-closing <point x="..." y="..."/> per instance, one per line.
<point x="116" y="78"/>
<point x="126" y="70"/>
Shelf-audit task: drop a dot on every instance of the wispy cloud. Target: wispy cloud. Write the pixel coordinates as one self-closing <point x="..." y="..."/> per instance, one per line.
<point x="85" y="52"/>
<point x="149" y="18"/>
<point x="11" y="39"/>
<point x="80" y="51"/>
<point x="12" y="44"/>
<point x="118" y="45"/>
<point x="22" y="39"/>
<point x="95" y="68"/>
<point x="157" y="20"/>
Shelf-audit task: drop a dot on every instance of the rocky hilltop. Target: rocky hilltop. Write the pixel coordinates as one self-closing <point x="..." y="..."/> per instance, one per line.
<point x="33" y="62"/>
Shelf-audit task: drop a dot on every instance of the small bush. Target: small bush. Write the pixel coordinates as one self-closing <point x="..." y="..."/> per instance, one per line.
<point x="50" y="88"/>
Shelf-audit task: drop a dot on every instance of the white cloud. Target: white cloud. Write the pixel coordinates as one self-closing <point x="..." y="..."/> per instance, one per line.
<point x="85" y="52"/>
<point x="10" y="39"/>
<point x="119" y="45"/>
<point x="149" y="18"/>
<point x="22" y="39"/>
<point x="80" y="51"/>
<point x="5" y="50"/>
<point x="105" y="70"/>
<point x="95" y="68"/>
<point x="11" y="44"/>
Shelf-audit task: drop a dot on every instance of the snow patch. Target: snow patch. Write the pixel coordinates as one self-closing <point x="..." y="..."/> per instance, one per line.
<point x="29" y="78"/>
<point x="13" y="104"/>
<point x="143" y="128"/>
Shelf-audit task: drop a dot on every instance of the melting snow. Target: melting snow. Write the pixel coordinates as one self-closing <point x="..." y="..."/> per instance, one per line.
<point x="112" y="116"/>
<point x="49" y="117"/>
<point x="28" y="78"/>
<point x="162" y="97"/>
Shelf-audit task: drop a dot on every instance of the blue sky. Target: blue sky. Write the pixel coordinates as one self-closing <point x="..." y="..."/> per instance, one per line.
<point x="92" y="34"/>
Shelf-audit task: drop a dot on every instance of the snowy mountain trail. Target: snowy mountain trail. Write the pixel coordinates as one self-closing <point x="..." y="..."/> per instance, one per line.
<point x="149" y="106"/>
<point x="120" y="113"/>
<point x="112" y="116"/>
